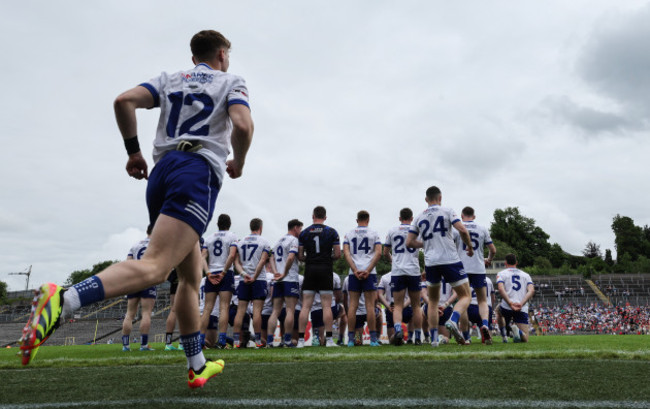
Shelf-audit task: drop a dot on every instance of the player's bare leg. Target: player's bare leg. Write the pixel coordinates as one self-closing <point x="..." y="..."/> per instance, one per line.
<point x="434" y="298"/>
<point x="146" y="308"/>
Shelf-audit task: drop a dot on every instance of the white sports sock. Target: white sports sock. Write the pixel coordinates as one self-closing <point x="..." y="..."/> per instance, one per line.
<point x="71" y="302"/>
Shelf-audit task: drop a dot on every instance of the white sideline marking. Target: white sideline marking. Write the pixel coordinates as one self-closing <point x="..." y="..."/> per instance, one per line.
<point x="320" y="403"/>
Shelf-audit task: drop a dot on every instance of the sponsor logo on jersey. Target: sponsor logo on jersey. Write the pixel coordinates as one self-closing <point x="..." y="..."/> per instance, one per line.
<point x="200" y="77"/>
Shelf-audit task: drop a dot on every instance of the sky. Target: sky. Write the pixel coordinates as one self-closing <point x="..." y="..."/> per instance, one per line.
<point x="357" y="105"/>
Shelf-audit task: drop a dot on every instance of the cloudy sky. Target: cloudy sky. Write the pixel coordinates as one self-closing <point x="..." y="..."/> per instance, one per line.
<point x="357" y="105"/>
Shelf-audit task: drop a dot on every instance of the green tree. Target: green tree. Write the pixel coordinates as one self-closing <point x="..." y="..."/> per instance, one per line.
<point x="80" y="275"/>
<point x="608" y="257"/>
<point x="3" y="292"/>
<point x="527" y="240"/>
<point x="592" y="250"/>
<point x="629" y="237"/>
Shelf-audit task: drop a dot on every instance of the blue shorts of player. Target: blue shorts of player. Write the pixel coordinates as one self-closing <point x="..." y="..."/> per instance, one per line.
<point x="227" y="283"/>
<point x="445" y="314"/>
<point x="183" y="185"/>
<point x="399" y="283"/>
<point x="356" y="285"/>
<point x="519" y="317"/>
<point x="454" y="274"/>
<point x="265" y="321"/>
<point x="150" y="292"/>
<point x="286" y="289"/>
<point x="407" y="315"/>
<point x="317" y="316"/>
<point x="257" y="290"/>
<point x="214" y="322"/>
<point x="475" y="318"/>
<point x="231" y="317"/>
<point x="477" y="280"/>
<point x="296" y="319"/>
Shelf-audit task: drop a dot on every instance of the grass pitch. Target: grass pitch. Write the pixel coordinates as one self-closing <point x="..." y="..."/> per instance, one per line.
<point x="548" y="372"/>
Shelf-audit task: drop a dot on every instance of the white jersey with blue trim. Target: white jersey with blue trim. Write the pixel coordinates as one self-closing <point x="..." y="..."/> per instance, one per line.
<point x="285" y="246"/>
<point x="267" y="308"/>
<point x="299" y="302"/>
<point x="384" y="284"/>
<point x="434" y="227"/>
<point x="445" y="292"/>
<point x="194" y="106"/>
<point x="250" y="250"/>
<point x="362" y="242"/>
<point x="480" y="237"/>
<point x="516" y="284"/>
<point x="489" y="291"/>
<point x="405" y="260"/>
<point x="215" y="308"/>
<point x="218" y="246"/>
<point x="137" y="251"/>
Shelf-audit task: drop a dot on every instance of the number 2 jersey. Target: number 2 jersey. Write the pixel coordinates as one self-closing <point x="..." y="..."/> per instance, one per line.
<point x="434" y="227"/>
<point x="405" y="260"/>
<point x="194" y="106"/>
<point x="515" y="282"/>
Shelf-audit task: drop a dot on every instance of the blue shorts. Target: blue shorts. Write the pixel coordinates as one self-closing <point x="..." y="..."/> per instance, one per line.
<point x="361" y="320"/>
<point x="477" y="280"/>
<point x="475" y="318"/>
<point x="150" y="292"/>
<point x="184" y="186"/>
<point x="407" y="315"/>
<point x="214" y="322"/>
<point x="286" y="289"/>
<point x="519" y="317"/>
<point x="317" y="318"/>
<point x="265" y="321"/>
<point x="454" y="274"/>
<point x="227" y="283"/>
<point x="356" y="285"/>
<point x="257" y="290"/>
<point x="296" y="319"/>
<point x="399" y="283"/>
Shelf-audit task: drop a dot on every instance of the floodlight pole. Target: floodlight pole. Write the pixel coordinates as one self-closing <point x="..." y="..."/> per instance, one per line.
<point x="24" y="273"/>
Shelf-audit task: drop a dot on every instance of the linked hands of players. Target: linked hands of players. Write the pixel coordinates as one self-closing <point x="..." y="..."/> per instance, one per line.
<point x="248" y="279"/>
<point x="278" y="277"/>
<point x="216" y="278"/>
<point x="516" y="306"/>
<point x="136" y="166"/>
<point x="234" y="168"/>
<point x="361" y="274"/>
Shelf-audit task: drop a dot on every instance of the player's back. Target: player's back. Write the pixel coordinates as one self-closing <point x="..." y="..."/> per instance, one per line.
<point x="251" y="248"/>
<point x="286" y="245"/>
<point x="137" y="251"/>
<point x="434" y="227"/>
<point x="480" y="237"/>
<point x="362" y="241"/>
<point x="405" y="259"/>
<point x="218" y="245"/>
<point x="318" y="241"/>
<point x="515" y="283"/>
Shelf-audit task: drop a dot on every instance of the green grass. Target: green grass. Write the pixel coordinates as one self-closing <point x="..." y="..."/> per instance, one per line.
<point x="552" y="371"/>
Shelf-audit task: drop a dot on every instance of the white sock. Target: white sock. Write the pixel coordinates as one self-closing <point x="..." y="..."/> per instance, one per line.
<point x="196" y="362"/>
<point x="71" y="302"/>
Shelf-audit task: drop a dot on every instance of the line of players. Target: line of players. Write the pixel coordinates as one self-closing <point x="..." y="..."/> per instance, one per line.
<point x="267" y="285"/>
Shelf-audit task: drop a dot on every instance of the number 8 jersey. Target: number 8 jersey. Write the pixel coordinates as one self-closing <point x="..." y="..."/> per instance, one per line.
<point x="433" y="227"/>
<point x="194" y="106"/>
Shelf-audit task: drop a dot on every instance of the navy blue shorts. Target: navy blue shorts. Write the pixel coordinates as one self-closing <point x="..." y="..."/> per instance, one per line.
<point x="286" y="289"/>
<point x="477" y="280"/>
<point x="265" y="321"/>
<point x="361" y="320"/>
<point x="317" y="318"/>
<point x="519" y="317"/>
<point x="184" y="186"/>
<point x="356" y="285"/>
<point x="214" y="322"/>
<point x="475" y="318"/>
<point x="227" y="283"/>
<point x="257" y="290"/>
<point x="454" y="274"/>
<point x="150" y="292"/>
<point x="399" y="283"/>
<point x="407" y="315"/>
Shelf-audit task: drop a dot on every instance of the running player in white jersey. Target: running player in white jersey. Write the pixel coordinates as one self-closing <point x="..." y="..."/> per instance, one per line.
<point x="220" y="250"/>
<point x="286" y="289"/>
<point x="145" y="298"/>
<point x="405" y="275"/>
<point x="433" y="229"/>
<point x="362" y="250"/>
<point x="253" y="251"/>
<point x="516" y="289"/>
<point x="475" y="266"/>
<point x="202" y="110"/>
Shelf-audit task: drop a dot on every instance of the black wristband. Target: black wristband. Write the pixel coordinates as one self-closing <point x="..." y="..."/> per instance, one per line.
<point x="132" y="145"/>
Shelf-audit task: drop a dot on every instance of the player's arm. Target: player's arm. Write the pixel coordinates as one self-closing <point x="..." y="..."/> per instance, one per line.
<point x="241" y="138"/>
<point x="492" y="251"/>
<point x="451" y="300"/>
<point x="375" y="258"/>
<point x="413" y="242"/>
<point x="381" y="297"/>
<point x="301" y="253"/>
<point x="348" y="258"/>
<point x="260" y="265"/>
<point x="232" y="256"/>
<point x="504" y="294"/>
<point x="336" y="252"/>
<point x="530" y="291"/>
<point x="239" y="268"/>
<point x="387" y="254"/>
<point x="290" y="260"/>
<point x="125" y="105"/>
<point x="464" y="235"/>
